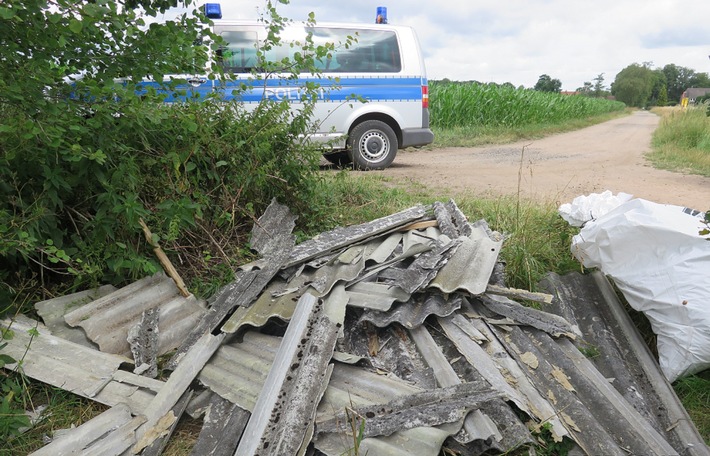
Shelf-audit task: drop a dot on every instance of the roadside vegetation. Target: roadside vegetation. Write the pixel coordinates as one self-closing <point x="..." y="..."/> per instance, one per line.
<point x="472" y="113"/>
<point x="682" y="141"/>
<point x="78" y="175"/>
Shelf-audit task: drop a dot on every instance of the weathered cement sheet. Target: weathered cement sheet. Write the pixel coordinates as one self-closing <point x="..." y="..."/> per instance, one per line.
<point x="622" y="356"/>
<point x="53" y="360"/>
<point x="107" y="320"/>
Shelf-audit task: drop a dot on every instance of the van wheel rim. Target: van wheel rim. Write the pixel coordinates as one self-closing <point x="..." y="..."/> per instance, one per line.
<point x="374" y="146"/>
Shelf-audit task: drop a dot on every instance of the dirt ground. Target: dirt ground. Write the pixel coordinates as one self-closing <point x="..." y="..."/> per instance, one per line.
<point x="608" y="156"/>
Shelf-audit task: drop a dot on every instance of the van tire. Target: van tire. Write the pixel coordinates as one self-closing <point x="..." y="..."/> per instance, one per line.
<point x="372" y="144"/>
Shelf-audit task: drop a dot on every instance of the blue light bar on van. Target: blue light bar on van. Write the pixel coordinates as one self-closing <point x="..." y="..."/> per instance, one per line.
<point x="213" y="10"/>
<point x="381" y="17"/>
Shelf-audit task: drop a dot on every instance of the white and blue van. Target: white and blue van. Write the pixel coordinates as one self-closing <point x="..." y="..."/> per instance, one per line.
<point x="373" y="97"/>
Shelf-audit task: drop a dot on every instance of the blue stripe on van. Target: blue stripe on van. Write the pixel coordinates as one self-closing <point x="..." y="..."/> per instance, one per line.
<point x="340" y="90"/>
<point x="334" y="90"/>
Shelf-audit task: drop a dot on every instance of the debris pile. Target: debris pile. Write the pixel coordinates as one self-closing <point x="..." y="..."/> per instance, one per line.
<point x="394" y="337"/>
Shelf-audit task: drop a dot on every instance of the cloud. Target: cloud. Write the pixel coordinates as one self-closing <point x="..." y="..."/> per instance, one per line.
<point x="678" y="36"/>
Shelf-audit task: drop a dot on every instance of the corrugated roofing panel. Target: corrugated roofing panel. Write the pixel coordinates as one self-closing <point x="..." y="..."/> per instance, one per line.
<point x="108" y="434"/>
<point x="471" y="265"/>
<point x="54" y="361"/>
<point x="343" y="236"/>
<point x="374" y="295"/>
<point x="412" y="313"/>
<point x="108" y="319"/>
<point x="53" y="310"/>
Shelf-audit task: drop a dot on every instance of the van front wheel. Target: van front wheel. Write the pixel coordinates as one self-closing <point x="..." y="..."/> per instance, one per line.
<point x="372" y="144"/>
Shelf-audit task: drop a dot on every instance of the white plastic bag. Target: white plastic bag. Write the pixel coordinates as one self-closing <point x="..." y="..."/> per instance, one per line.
<point x="589" y="207"/>
<point x="661" y="263"/>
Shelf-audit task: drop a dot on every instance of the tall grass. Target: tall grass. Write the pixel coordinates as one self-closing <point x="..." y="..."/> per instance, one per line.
<point x="471" y="104"/>
<point x="682" y="141"/>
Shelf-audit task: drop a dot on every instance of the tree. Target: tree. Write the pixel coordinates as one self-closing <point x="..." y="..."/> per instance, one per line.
<point x="586" y="89"/>
<point x="599" y="90"/>
<point x="633" y="85"/>
<point x="546" y="84"/>
<point x="678" y="79"/>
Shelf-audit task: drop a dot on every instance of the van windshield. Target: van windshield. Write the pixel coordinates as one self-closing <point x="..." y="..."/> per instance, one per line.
<point x="369" y="51"/>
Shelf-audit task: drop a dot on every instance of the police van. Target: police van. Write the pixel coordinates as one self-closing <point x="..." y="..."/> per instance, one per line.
<point x="372" y="89"/>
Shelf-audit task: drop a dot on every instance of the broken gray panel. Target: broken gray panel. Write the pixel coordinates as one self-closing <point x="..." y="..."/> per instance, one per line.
<point x="107" y="320"/>
<point x="446" y="376"/>
<point x="272" y="230"/>
<point x="265" y="307"/>
<point x="428" y="237"/>
<point x="324" y="278"/>
<point x="238" y="370"/>
<point x="516" y="293"/>
<point x="471" y="265"/>
<point x="428" y="408"/>
<point x="223" y="426"/>
<point x="426" y="266"/>
<point x="390" y="351"/>
<point x="283" y="415"/>
<point x="352" y="386"/>
<point x="158" y="411"/>
<point x="444" y="220"/>
<point x="156" y="448"/>
<point x="373" y="295"/>
<point x="53" y="361"/>
<point x="379" y="250"/>
<point x="341" y="237"/>
<point x="622" y="421"/>
<point x="413" y="313"/>
<point x="537" y="405"/>
<point x="458" y="219"/>
<point x="457" y="329"/>
<point x="143" y="340"/>
<point x="251" y="360"/>
<point x="545" y="321"/>
<point x="624" y="358"/>
<point x="79" y="440"/>
<point x="554" y="382"/>
<point x="53" y="310"/>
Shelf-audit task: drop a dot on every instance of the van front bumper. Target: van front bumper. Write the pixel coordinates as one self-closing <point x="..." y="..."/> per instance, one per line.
<point x="416" y="137"/>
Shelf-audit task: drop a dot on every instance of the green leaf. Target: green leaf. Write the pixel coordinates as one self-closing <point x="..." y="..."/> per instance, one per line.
<point x="5" y="360"/>
<point x="6" y="13"/>
<point x="75" y="26"/>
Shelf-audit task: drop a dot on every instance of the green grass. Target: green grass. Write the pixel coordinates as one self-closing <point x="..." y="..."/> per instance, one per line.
<point x="694" y="393"/>
<point x="682" y="141"/>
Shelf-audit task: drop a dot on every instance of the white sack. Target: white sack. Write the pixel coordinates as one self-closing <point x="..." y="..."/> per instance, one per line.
<point x="589" y="207"/>
<point x="660" y="262"/>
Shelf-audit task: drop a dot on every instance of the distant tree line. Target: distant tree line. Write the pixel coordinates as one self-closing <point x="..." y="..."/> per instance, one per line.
<point x="641" y="85"/>
<point x="638" y="85"/>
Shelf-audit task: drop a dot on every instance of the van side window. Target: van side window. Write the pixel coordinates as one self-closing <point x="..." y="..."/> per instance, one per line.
<point x="370" y="51"/>
<point x="356" y="50"/>
<point x="239" y="55"/>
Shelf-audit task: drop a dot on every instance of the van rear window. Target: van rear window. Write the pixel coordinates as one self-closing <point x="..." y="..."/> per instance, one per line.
<point x="356" y="51"/>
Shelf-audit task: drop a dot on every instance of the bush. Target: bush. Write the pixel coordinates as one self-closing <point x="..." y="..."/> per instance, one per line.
<point x="84" y="160"/>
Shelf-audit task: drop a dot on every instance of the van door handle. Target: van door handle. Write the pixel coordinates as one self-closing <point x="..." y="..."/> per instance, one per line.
<point x="196" y="82"/>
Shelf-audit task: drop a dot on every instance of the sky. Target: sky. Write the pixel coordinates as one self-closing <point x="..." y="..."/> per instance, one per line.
<point x="516" y="41"/>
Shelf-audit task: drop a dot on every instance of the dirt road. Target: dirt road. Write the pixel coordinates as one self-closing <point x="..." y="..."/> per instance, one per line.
<point x="607" y="156"/>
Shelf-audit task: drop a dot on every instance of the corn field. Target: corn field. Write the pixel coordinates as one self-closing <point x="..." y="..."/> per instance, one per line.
<point x="471" y="104"/>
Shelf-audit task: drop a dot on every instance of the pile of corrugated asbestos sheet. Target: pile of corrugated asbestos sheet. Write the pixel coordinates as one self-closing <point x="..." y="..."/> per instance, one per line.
<point x="394" y="337"/>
